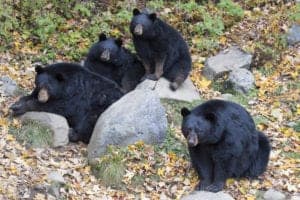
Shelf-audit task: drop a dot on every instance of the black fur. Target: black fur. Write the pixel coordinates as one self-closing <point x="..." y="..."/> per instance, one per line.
<point x="122" y="66"/>
<point x="224" y="143"/>
<point x="158" y="44"/>
<point x="75" y="93"/>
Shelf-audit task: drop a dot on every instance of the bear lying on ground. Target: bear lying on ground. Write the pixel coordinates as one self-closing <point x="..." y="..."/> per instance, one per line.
<point x="223" y="143"/>
<point x="108" y="58"/>
<point x="71" y="91"/>
<point x="161" y="48"/>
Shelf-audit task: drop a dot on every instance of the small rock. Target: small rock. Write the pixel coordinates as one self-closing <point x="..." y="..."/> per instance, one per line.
<point x="203" y="195"/>
<point x="272" y="194"/>
<point x="242" y="80"/>
<point x="8" y="87"/>
<point x="53" y="190"/>
<point x="226" y="61"/>
<point x="56" y="177"/>
<point x="291" y="124"/>
<point x="58" y="124"/>
<point x="293" y="36"/>
<point x="186" y="92"/>
<point x="227" y="97"/>
<point x="252" y="102"/>
<point x="137" y="116"/>
<point x="295" y="197"/>
<point x="277" y="114"/>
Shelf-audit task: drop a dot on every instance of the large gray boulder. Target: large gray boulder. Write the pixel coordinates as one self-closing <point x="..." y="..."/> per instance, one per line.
<point x="8" y="87"/>
<point x="226" y="61"/>
<point x="58" y="125"/>
<point x="186" y="92"/>
<point x="241" y="80"/>
<point x="203" y="195"/>
<point x="138" y="116"/>
<point x="293" y="35"/>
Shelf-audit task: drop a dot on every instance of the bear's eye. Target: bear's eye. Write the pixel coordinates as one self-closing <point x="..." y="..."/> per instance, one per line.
<point x="59" y="77"/>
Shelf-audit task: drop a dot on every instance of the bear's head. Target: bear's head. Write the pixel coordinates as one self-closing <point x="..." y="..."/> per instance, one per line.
<point x="143" y="24"/>
<point x="48" y="84"/>
<point x="199" y="128"/>
<point x="106" y="49"/>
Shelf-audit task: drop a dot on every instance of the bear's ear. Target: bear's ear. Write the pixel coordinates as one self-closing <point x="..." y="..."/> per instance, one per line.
<point x="210" y="117"/>
<point x="185" y="112"/>
<point x="136" y="12"/>
<point x="119" y="42"/>
<point x="39" y="69"/>
<point x="60" y="77"/>
<point x="153" y="16"/>
<point x="102" y="37"/>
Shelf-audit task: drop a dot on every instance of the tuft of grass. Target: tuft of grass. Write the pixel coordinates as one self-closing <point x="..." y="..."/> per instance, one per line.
<point x="259" y="119"/>
<point x="233" y="12"/>
<point x="137" y="180"/>
<point x="155" y="4"/>
<point x="111" y="168"/>
<point x="33" y="134"/>
<point x="173" y="108"/>
<point x="295" y="14"/>
<point x="173" y="144"/>
<point x="296" y="127"/>
<point x="293" y="155"/>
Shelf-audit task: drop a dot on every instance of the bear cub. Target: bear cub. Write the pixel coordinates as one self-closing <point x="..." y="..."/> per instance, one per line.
<point x="108" y="58"/>
<point x="161" y="48"/>
<point x="71" y="91"/>
<point x="223" y="143"/>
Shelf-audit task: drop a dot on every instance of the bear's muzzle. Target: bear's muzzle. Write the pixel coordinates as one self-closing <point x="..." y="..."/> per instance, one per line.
<point x="43" y="95"/>
<point x="138" y="30"/>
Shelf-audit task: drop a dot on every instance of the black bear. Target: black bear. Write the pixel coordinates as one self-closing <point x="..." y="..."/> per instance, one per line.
<point x="70" y="90"/>
<point x="108" y="58"/>
<point x="223" y="143"/>
<point x="161" y="48"/>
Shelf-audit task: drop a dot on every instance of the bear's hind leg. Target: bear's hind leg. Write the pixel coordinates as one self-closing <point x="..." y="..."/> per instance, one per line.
<point x="178" y="73"/>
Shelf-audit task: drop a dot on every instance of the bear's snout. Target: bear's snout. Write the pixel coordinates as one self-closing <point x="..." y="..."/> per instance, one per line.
<point x="192" y="139"/>
<point x="43" y="95"/>
<point x="138" y="30"/>
<point x="105" y="56"/>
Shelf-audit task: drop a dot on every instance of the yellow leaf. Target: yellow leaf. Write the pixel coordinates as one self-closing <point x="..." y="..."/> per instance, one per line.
<point x="250" y="197"/>
<point x="115" y="32"/>
<point x="10" y="137"/>
<point x="160" y="171"/>
<point x="223" y="40"/>
<point x="242" y="190"/>
<point x="230" y="181"/>
<point x="204" y="83"/>
<point x="298" y="110"/>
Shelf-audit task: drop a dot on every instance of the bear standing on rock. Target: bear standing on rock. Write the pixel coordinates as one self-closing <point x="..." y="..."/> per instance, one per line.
<point x="224" y="143"/>
<point x="108" y="58"/>
<point x="161" y="48"/>
<point x="71" y="91"/>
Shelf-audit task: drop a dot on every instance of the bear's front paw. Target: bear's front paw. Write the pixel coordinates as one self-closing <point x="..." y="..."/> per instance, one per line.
<point x="73" y="136"/>
<point x="202" y="185"/>
<point x="174" y="86"/>
<point x="151" y="77"/>
<point x="215" y="187"/>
